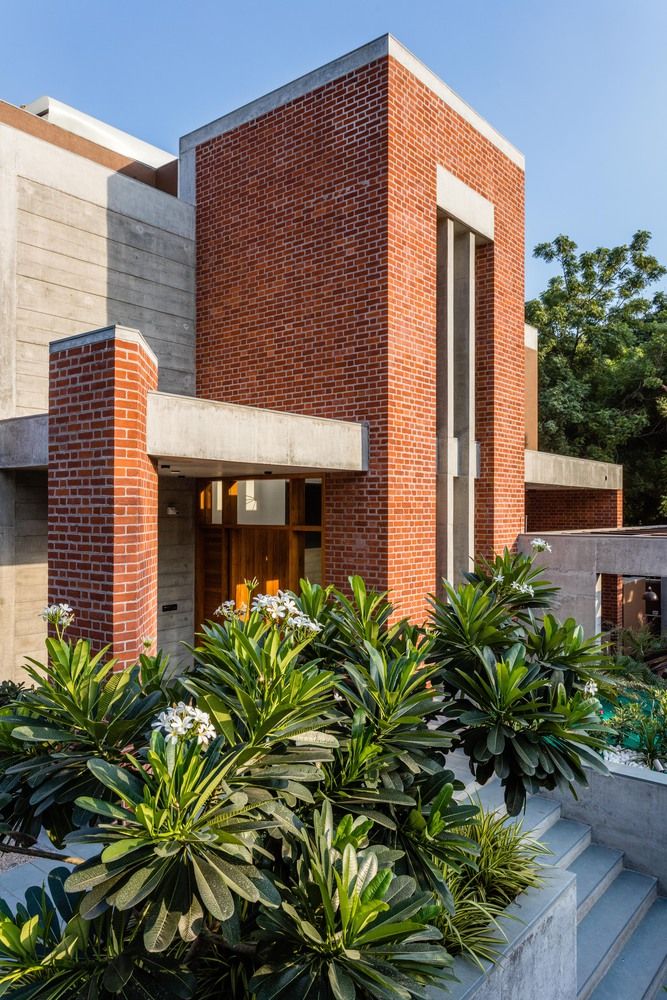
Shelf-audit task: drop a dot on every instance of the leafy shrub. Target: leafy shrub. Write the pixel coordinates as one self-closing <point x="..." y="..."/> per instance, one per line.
<point x="522" y="692"/>
<point x="280" y="820"/>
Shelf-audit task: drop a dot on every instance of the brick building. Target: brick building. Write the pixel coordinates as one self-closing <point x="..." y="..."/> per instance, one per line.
<point x="308" y="356"/>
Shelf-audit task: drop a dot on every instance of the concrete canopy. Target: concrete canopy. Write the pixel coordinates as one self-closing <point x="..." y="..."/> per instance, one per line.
<point x="202" y="438"/>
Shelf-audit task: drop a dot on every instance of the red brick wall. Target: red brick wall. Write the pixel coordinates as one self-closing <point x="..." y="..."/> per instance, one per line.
<point x="424" y="132"/>
<point x="102" y="544"/>
<point x="571" y="510"/>
<point x="316" y="285"/>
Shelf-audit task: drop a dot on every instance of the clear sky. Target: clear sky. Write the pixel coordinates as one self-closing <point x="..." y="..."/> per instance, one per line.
<point x="580" y="86"/>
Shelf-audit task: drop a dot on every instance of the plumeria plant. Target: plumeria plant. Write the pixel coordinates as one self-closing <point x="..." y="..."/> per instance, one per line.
<point x="279" y="819"/>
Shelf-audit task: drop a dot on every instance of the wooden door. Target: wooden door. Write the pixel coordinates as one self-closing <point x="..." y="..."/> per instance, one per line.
<point x="262" y="554"/>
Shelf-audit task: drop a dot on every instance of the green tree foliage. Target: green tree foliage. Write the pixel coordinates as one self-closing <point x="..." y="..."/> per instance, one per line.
<point x="603" y="364"/>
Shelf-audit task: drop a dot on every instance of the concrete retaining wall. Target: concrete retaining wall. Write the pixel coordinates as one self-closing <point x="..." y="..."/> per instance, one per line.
<point x="626" y="810"/>
<point x="539" y="959"/>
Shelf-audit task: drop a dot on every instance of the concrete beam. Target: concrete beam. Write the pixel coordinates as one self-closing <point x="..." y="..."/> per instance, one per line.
<point x="464" y="204"/>
<point x="544" y="469"/>
<point x="24" y="442"/>
<point x="206" y="438"/>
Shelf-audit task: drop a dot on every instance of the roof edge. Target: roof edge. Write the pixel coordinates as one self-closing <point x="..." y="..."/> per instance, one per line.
<point x="385" y="45"/>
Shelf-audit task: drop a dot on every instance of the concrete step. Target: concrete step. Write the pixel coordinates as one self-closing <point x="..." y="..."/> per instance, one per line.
<point x="566" y="840"/>
<point x="595" y="868"/>
<point x="639" y="970"/>
<point x="608" y="925"/>
<point x="539" y="816"/>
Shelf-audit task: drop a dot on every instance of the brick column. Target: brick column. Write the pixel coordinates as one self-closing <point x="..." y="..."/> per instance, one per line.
<point x="102" y="546"/>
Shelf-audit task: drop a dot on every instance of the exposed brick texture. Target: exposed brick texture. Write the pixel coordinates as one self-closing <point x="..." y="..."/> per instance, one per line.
<point x="571" y="510"/>
<point x="316" y="289"/>
<point x="102" y="542"/>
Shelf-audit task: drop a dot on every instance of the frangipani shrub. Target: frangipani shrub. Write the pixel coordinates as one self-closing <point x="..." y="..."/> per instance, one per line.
<point x="280" y="821"/>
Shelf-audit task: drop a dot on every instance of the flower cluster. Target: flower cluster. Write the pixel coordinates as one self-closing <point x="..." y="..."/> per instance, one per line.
<point x="185" y="722"/>
<point x="540" y="545"/>
<point x="282" y="611"/>
<point x="229" y="611"/>
<point x="590" y="689"/>
<point x="59" y="615"/>
<point x="523" y="588"/>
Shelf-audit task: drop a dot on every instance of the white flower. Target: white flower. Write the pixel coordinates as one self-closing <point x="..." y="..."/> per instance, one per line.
<point x="540" y="545"/>
<point x="60" y="615"/>
<point x="498" y="578"/>
<point x="590" y="689"/>
<point x="185" y="722"/>
<point x="282" y="611"/>
<point x="523" y="588"/>
<point x="226" y="610"/>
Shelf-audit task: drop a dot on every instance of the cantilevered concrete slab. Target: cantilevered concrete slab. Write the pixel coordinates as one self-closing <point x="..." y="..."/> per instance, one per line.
<point x="202" y="438"/>
<point x="544" y="470"/>
<point x="24" y="442"/>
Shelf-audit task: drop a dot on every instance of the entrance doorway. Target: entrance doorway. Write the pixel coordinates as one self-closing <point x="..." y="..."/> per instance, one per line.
<point x="266" y="529"/>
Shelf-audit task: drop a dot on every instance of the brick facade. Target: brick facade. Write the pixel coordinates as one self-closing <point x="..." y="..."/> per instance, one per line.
<point x="102" y="539"/>
<point x="572" y="510"/>
<point x="316" y="293"/>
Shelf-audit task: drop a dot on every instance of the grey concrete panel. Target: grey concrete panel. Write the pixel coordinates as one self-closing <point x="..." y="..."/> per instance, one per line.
<point x="544" y="469"/>
<point x="176" y="567"/>
<point x="24" y="442"/>
<point x="201" y="430"/>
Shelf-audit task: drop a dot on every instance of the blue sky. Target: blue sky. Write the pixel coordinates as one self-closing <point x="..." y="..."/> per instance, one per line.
<point x="580" y="86"/>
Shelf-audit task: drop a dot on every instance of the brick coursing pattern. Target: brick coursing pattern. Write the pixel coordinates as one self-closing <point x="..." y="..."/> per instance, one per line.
<point x="102" y="487"/>
<point x="316" y="288"/>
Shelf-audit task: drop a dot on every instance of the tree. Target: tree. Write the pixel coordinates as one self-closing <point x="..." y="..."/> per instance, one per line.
<point x="603" y="364"/>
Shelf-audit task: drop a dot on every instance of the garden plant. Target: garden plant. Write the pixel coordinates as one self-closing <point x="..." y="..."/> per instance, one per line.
<point x="279" y="820"/>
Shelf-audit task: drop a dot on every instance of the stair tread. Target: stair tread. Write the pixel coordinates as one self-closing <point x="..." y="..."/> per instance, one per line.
<point x="490" y="796"/>
<point x="563" y="837"/>
<point x="540" y="813"/>
<point x="601" y="928"/>
<point x="640" y="961"/>
<point x="592" y="867"/>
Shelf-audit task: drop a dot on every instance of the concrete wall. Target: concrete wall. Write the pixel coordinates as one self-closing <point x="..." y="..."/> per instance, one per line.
<point x="83" y="247"/>
<point x="23" y="569"/>
<point x="176" y="567"/>
<point x="31" y="566"/>
<point x="538" y="959"/>
<point x="627" y="810"/>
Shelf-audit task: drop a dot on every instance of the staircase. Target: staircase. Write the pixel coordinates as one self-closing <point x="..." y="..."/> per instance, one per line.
<point x="621" y="920"/>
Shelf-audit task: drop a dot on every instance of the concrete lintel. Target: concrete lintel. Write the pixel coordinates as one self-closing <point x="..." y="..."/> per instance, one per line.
<point x="115" y="332"/>
<point x="544" y="469"/>
<point x="24" y="442"/>
<point x="530" y="336"/>
<point x="386" y="45"/>
<point x="226" y="438"/>
<point x="464" y="204"/>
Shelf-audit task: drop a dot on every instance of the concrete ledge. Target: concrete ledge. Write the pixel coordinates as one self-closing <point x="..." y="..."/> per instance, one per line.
<point x="544" y="469"/>
<point x="626" y="810"/>
<point x="99" y="336"/>
<point x="225" y="439"/>
<point x="24" y="442"/>
<point x="538" y="958"/>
